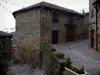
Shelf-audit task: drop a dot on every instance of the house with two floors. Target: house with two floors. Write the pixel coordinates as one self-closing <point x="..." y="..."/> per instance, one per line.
<point x="46" y="22"/>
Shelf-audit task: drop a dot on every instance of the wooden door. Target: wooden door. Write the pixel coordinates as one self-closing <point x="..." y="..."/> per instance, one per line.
<point x="54" y="36"/>
<point x="70" y="34"/>
<point x="92" y="38"/>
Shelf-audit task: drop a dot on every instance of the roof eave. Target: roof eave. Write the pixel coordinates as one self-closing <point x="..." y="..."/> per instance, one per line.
<point x="39" y="5"/>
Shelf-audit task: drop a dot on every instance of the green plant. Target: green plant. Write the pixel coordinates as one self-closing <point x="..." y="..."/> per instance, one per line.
<point x="69" y="63"/>
<point x="78" y="70"/>
<point x="74" y="69"/>
<point x="81" y="70"/>
<point x="59" y="54"/>
<point x="48" y="45"/>
<point x="52" y="49"/>
<point x="69" y="66"/>
<point x="62" y="67"/>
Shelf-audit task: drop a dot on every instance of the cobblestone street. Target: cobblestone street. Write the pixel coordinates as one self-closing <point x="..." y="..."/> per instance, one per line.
<point x="23" y="70"/>
<point x="82" y="55"/>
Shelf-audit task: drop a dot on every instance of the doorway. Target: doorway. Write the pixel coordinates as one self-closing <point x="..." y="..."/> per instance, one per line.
<point x="70" y="33"/>
<point x="92" y="38"/>
<point x="54" y="36"/>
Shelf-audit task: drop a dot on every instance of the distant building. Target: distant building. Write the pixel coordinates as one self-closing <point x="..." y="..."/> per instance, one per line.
<point x="47" y="22"/>
<point x="5" y="45"/>
<point x="94" y="24"/>
<point x="86" y="25"/>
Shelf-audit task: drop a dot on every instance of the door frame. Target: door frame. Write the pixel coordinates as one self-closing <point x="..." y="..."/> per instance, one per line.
<point x="92" y="38"/>
<point x="70" y="26"/>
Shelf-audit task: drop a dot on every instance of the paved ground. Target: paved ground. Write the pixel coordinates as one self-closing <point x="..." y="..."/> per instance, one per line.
<point x="20" y="69"/>
<point x="82" y="55"/>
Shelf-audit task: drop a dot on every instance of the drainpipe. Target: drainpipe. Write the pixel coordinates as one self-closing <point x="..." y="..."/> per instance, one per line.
<point x="96" y="28"/>
<point x="41" y="38"/>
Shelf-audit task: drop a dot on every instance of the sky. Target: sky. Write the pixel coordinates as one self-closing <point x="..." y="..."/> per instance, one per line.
<point x="7" y="21"/>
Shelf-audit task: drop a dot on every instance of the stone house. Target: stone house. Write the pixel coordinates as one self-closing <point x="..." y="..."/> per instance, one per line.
<point x="86" y="25"/>
<point x="5" y="45"/>
<point x="46" y="22"/>
<point x="94" y="29"/>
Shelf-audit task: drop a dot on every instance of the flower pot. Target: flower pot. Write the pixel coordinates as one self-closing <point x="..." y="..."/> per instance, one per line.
<point x="60" y="55"/>
<point x="52" y="49"/>
<point x="48" y="45"/>
<point x="70" y="72"/>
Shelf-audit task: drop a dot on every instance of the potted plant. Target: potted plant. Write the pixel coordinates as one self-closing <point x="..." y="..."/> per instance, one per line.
<point x="68" y="63"/>
<point x="59" y="54"/>
<point x="52" y="49"/>
<point x="48" y="45"/>
<point x="71" y="70"/>
<point x="79" y="71"/>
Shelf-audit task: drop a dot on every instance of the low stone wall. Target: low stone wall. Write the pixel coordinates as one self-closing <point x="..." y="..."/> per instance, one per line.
<point x="51" y="64"/>
<point x="69" y="72"/>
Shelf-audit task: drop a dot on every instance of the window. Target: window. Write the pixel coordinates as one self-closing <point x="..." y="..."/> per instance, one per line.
<point x="70" y="20"/>
<point x="54" y="17"/>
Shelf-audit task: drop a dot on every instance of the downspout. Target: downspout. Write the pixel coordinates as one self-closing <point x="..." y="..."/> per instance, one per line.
<point x="41" y="38"/>
<point x="96" y="28"/>
<point x="40" y="26"/>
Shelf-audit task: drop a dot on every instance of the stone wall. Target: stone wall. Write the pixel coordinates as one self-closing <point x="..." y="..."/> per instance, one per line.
<point x="92" y="26"/>
<point x="51" y="64"/>
<point x="92" y="22"/>
<point x="6" y="47"/>
<point x="48" y="25"/>
<point x="27" y="34"/>
<point x="86" y="26"/>
<point x="92" y="11"/>
<point x="80" y="26"/>
<point x="99" y="28"/>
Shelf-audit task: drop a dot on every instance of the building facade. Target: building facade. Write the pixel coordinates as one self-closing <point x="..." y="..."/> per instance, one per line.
<point x="46" y="22"/>
<point x="94" y="30"/>
<point x="92" y="21"/>
<point x="5" y="45"/>
<point x="98" y="24"/>
<point x="86" y="26"/>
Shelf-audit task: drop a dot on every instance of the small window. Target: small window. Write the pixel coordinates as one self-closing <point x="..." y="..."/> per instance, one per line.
<point x="54" y="17"/>
<point x="70" y="21"/>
